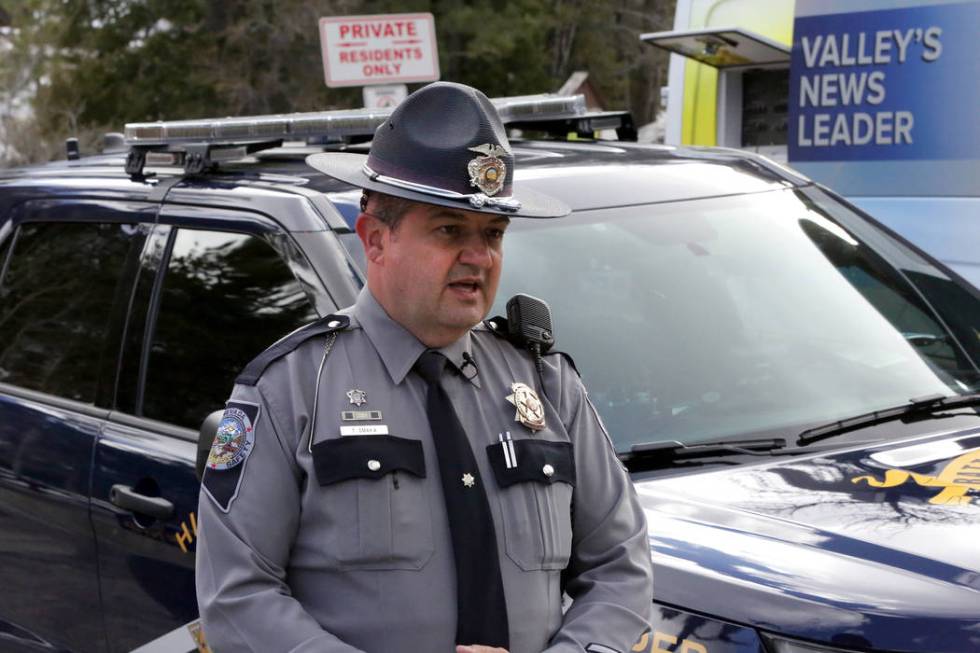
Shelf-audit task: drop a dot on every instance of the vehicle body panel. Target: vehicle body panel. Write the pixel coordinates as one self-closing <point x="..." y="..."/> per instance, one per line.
<point x="146" y="565"/>
<point x="49" y="553"/>
<point x="679" y="631"/>
<point x="809" y="548"/>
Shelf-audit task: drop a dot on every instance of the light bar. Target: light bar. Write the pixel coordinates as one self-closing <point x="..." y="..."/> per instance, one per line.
<point x="332" y="124"/>
<point x="293" y="126"/>
<point x="522" y="107"/>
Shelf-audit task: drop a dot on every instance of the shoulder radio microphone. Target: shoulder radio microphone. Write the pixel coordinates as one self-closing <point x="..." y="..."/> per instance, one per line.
<point x="529" y="325"/>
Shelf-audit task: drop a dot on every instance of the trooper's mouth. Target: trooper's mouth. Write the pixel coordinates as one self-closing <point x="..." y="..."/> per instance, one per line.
<point x="465" y="287"/>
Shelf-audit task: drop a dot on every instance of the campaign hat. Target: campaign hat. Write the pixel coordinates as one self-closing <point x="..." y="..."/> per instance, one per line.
<point x="446" y="145"/>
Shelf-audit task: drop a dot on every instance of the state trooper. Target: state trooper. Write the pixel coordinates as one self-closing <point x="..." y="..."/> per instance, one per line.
<point x="399" y="476"/>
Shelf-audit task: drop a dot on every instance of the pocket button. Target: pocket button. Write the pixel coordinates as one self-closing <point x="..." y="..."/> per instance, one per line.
<point x="548" y="471"/>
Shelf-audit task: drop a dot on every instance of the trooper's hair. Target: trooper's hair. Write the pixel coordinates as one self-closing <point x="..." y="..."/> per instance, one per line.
<point x="387" y="208"/>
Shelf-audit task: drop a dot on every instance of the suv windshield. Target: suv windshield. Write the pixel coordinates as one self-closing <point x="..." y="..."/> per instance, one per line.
<point x="722" y="317"/>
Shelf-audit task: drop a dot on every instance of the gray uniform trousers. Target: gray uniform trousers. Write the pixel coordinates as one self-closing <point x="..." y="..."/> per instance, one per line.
<point x="349" y="549"/>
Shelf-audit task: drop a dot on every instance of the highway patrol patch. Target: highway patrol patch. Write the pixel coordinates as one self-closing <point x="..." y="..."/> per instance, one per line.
<point x="233" y="441"/>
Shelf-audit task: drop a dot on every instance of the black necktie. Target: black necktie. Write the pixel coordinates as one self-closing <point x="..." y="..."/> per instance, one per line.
<point x="481" y="609"/>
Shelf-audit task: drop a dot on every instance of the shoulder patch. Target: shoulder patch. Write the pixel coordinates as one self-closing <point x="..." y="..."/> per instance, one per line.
<point x="232" y="444"/>
<point x="235" y="436"/>
<point x="329" y="324"/>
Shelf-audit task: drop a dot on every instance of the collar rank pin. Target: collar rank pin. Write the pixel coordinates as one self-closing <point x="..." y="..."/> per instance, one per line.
<point x="530" y="412"/>
<point x="489" y="171"/>
<point x="468" y="480"/>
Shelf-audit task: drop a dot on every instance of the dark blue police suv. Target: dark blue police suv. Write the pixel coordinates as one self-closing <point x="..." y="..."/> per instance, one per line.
<point x="791" y="385"/>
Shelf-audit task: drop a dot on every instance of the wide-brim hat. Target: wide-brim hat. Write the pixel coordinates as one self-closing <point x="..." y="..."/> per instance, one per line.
<point x="444" y="144"/>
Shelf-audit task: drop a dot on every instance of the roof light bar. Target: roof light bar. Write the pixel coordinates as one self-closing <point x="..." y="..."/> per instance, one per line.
<point x="333" y="124"/>
<point x="542" y="106"/>
<point x="294" y="126"/>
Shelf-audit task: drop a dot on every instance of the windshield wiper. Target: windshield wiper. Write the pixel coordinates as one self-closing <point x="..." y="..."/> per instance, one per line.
<point x="675" y="450"/>
<point x="916" y="409"/>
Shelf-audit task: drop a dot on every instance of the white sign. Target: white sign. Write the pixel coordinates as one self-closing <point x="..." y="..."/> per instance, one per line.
<point x="379" y="49"/>
<point x="384" y="97"/>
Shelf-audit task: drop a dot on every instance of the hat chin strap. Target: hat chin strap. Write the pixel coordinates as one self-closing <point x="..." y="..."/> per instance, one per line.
<point x="476" y="200"/>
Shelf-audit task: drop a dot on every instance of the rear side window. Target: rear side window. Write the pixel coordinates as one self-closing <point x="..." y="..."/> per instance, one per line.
<point x="225" y="298"/>
<point x="55" y="301"/>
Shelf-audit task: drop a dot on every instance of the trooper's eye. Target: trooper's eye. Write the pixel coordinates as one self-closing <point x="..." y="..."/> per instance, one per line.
<point x="449" y="229"/>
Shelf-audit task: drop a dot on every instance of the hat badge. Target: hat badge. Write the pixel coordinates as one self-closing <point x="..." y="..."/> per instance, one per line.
<point x="488" y="172"/>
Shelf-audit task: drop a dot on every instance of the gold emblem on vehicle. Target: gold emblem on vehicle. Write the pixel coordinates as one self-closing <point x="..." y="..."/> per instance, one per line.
<point x="961" y="475"/>
<point x="194" y="628"/>
<point x="530" y="412"/>
<point x="488" y="172"/>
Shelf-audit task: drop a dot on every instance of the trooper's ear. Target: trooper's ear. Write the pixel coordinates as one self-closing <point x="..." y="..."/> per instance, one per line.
<point x="371" y="231"/>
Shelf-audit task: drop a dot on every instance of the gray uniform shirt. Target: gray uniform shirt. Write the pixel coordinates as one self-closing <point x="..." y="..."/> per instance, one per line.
<point x="360" y="558"/>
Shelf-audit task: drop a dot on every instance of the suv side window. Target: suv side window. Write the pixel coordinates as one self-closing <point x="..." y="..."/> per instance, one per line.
<point x="57" y="295"/>
<point x="225" y="297"/>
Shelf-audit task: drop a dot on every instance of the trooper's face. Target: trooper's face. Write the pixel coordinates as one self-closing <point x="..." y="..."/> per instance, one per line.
<point x="437" y="272"/>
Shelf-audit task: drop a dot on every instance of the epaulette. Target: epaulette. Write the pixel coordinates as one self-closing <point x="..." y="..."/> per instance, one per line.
<point x="498" y="326"/>
<point x="329" y="324"/>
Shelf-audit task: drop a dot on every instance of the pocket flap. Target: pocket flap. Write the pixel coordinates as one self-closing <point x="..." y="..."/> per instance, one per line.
<point x="540" y="461"/>
<point x="366" y="456"/>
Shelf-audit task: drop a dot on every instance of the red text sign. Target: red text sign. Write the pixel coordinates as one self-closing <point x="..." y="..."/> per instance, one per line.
<point x="379" y="49"/>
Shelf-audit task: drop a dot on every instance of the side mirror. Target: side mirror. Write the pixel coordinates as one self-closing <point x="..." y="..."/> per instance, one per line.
<point x="209" y="428"/>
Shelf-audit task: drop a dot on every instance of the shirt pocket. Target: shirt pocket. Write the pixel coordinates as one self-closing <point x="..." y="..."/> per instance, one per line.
<point x="536" y="479"/>
<point x="374" y="494"/>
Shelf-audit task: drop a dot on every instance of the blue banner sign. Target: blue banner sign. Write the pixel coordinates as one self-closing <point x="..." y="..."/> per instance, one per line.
<point x="895" y="84"/>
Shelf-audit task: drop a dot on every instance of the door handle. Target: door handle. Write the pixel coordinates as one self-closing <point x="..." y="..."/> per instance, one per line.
<point x="129" y="499"/>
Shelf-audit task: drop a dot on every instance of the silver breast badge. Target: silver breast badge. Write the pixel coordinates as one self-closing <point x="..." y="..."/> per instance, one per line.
<point x="357" y="397"/>
<point x="530" y="412"/>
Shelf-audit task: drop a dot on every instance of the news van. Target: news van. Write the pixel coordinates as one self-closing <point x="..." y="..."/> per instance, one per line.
<point x="876" y="99"/>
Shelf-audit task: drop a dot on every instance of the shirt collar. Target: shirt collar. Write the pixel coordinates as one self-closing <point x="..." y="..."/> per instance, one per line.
<point x="398" y="348"/>
<point x="455" y="353"/>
